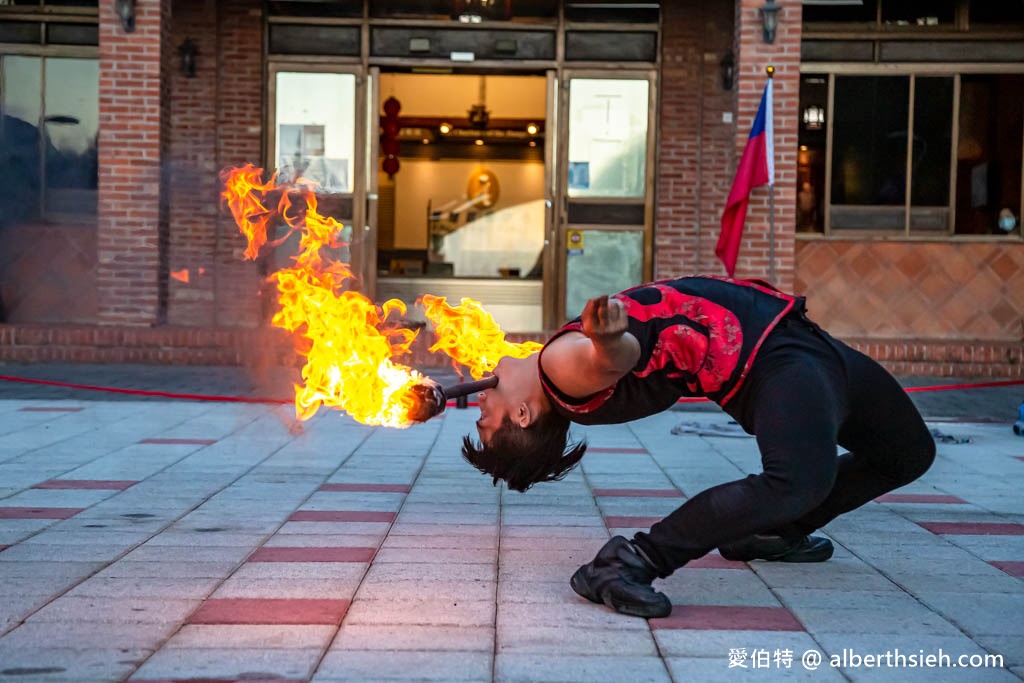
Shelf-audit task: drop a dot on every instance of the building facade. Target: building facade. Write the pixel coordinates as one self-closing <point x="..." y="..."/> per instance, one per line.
<point x="529" y="154"/>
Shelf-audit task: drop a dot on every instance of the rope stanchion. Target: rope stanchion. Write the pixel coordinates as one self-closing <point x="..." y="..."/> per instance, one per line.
<point x="473" y="404"/>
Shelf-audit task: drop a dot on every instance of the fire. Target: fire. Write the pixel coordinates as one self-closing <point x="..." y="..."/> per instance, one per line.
<point x="345" y="338"/>
<point x="470" y="335"/>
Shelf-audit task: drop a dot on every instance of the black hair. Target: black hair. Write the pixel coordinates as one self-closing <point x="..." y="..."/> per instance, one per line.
<point x="523" y="456"/>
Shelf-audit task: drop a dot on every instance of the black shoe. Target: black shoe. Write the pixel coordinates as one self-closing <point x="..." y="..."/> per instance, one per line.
<point x="620" y="577"/>
<point x="778" y="549"/>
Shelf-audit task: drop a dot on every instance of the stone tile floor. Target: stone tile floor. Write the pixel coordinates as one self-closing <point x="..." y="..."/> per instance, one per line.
<point x="155" y="541"/>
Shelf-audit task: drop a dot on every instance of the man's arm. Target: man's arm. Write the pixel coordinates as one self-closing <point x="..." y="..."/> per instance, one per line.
<point x="581" y="364"/>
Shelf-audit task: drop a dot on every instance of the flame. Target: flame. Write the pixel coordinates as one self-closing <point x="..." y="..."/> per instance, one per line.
<point x="244" y="193"/>
<point x="470" y="335"/>
<point x="344" y="337"/>
<point x="180" y="275"/>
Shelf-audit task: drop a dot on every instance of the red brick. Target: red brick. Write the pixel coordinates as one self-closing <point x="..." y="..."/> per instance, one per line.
<point x="270" y="611"/>
<point x="626" y="522"/>
<point x="920" y="498"/>
<point x="974" y="528"/>
<point x="312" y="554"/>
<point x="87" y="484"/>
<point x="341" y="516"/>
<point x="728" y="618"/>
<point x="38" y="513"/>
<point x="638" y="493"/>
<point x="368" y="488"/>
<point x="1011" y="568"/>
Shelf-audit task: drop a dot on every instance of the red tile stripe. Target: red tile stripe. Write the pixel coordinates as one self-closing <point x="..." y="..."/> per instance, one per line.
<point x="368" y="488"/>
<point x="614" y="522"/>
<point x="921" y="498"/>
<point x="38" y="513"/>
<point x="715" y="561"/>
<point x="1011" y="568"/>
<point x="332" y="554"/>
<point x="48" y="409"/>
<point x="598" y="449"/>
<point x="280" y="611"/>
<point x="974" y="528"/>
<point x="638" y="493"/>
<point x="341" y="516"/>
<point x="79" y="484"/>
<point x="728" y="618"/>
<point x="181" y="442"/>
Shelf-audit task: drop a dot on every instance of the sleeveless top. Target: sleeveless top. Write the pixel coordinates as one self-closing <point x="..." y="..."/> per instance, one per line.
<point x="698" y="338"/>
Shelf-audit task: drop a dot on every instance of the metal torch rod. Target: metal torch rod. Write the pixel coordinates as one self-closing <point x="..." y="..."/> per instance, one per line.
<point x="467" y="388"/>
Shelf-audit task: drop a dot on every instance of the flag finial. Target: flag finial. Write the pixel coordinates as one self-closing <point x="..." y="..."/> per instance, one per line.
<point x="770" y="70"/>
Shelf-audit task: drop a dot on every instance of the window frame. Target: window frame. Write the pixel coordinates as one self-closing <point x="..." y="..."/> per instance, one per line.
<point x="912" y="70"/>
<point x="43" y="53"/>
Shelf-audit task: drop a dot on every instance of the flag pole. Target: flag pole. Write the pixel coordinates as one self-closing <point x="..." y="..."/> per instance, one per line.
<point x="770" y="70"/>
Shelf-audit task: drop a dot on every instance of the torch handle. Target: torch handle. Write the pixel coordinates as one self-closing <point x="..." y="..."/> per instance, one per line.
<point x="468" y="388"/>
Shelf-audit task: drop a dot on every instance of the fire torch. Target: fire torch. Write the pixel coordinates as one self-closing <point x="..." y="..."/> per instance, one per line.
<point x="433" y="397"/>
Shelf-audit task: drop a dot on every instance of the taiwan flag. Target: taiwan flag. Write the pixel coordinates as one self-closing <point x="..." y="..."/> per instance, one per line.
<point x="756" y="168"/>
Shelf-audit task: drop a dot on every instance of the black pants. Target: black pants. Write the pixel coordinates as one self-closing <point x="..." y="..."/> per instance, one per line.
<point x="806" y="393"/>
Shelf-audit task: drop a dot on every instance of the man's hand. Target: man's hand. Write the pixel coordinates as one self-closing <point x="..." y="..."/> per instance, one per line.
<point x="604" y="319"/>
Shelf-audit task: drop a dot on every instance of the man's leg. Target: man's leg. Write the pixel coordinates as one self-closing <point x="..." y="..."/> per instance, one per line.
<point x="890" y="445"/>
<point x="795" y="410"/>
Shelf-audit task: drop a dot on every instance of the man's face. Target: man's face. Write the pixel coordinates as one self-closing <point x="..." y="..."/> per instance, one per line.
<point x="494" y="407"/>
<point x="498" y="403"/>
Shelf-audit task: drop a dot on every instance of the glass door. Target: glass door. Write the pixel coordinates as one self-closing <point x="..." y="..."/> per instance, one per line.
<point x="606" y="194"/>
<point x="317" y="120"/>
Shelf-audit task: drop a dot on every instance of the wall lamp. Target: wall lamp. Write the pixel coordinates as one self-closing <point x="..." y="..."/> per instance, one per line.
<point x="728" y="66"/>
<point x="125" y="10"/>
<point x="769" y="20"/>
<point x="188" y="53"/>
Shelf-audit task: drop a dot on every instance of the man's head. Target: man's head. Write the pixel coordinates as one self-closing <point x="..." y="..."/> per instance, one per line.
<point x="522" y="440"/>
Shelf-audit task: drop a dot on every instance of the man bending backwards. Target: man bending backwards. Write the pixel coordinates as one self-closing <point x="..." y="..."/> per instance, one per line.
<point x="752" y="350"/>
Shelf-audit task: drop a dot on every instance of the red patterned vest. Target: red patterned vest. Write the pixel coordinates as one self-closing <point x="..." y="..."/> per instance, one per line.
<point x="698" y="337"/>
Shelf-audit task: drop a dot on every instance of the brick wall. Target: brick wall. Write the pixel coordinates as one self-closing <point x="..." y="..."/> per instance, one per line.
<point x="956" y="291"/>
<point x="239" y="119"/>
<point x="695" y="146"/>
<point x="130" y="146"/>
<point x="217" y="120"/>
<point x="270" y="346"/>
<point x="192" y="163"/>
<point x="752" y="56"/>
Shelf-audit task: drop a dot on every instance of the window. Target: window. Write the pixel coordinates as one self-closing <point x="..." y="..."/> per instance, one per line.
<point x="49" y="127"/>
<point x="988" y="153"/>
<point x="901" y="154"/>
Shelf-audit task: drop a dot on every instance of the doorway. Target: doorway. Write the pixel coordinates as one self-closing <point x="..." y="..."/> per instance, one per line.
<point x="464" y="191"/>
<point x="529" y="192"/>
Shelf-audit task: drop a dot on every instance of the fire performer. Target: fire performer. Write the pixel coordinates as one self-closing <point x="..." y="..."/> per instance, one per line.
<point x="752" y="350"/>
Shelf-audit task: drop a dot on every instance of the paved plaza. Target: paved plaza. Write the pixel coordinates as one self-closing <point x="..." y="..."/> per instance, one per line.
<point x="146" y="541"/>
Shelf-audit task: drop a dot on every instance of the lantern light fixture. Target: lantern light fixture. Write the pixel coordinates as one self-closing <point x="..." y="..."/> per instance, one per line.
<point x="769" y="20"/>
<point x="728" y="67"/>
<point x="188" y="53"/>
<point x="125" y="10"/>
<point x="814" y="117"/>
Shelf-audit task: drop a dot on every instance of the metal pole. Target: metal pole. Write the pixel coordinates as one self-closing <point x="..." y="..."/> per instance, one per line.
<point x="770" y="115"/>
<point x="771" y="234"/>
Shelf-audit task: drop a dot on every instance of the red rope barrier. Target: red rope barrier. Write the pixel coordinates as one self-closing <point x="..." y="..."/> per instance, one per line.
<point x="143" y="392"/>
<point x="283" y="401"/>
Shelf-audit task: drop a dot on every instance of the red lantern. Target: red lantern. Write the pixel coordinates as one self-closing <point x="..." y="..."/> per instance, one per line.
<point x="389" y="129"/>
